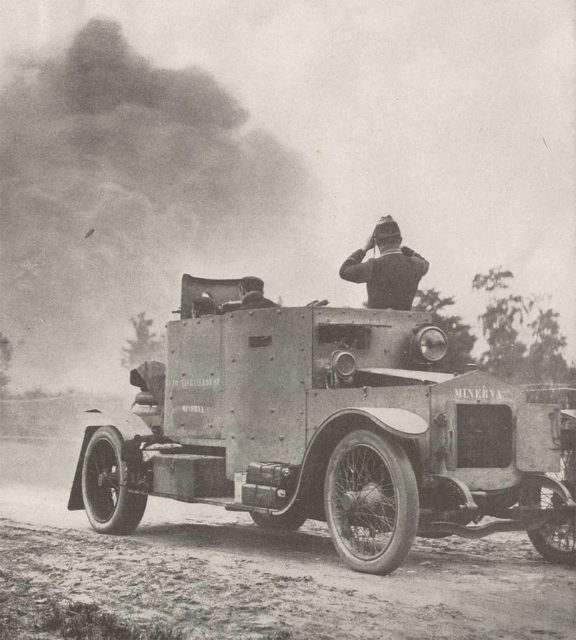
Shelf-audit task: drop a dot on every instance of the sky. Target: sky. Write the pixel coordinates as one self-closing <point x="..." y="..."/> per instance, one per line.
<point x="457" y="118"/>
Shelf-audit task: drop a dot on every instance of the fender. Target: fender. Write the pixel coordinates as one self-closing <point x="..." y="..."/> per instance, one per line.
<point x="397" y="422"/>
<point x="127" y="424"/>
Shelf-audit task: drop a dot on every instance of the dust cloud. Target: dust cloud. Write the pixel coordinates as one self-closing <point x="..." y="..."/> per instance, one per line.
<point x="117" y="177"/>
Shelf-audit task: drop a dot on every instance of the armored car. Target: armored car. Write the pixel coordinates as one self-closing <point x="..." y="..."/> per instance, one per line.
<point x="338" y="415"/>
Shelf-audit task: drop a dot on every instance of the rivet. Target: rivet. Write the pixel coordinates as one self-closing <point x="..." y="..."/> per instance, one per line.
<point x="184" y="324"/>
<point x="232" y="359"/>
<point x="251" y="437"/>
<point x="250" y="313"/>
<point x="171" y="397"/>
<point x="183" y="375"/>
<point x="231" y="410"/>
<point x="271" y="357"/>
<point x="197" y="321"/>
<point x="272" y="410"/>
<point x="172" y="350"/>
<point x="281" y="438"/>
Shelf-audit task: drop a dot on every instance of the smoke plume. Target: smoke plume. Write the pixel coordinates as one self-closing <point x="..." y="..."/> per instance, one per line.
<point x="117" y="176"/>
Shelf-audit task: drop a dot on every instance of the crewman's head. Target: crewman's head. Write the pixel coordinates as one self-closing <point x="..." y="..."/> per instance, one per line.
<point x="251" y="283"/>
<point x="387" y="233"/>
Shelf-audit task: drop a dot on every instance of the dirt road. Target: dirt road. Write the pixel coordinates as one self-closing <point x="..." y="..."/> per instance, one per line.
<point x="207" y="573"/>
<point x="202" y="572"/>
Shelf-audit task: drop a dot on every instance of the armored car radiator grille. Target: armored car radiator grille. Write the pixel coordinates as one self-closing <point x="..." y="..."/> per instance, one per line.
<point x="484" y="435"/>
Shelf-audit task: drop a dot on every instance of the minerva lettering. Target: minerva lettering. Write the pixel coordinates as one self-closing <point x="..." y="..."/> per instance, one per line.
<point x="482" y="393"/>
<point x="194" y="408"/>
<point x="190" y="383"/>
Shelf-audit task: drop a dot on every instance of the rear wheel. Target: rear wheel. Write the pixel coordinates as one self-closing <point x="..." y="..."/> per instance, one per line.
<point x="110" y="507"/>
<point x="371" y="502"/>
<point x="290" y="521"/>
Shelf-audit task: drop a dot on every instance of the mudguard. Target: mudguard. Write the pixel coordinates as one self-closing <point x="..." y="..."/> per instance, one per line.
<point x="126" y="423"/>
<point x="398" y="422"/>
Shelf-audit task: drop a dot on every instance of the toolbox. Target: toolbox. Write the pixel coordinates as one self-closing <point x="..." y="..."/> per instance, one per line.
<point x="256" y="495"/>
<point x="272" y="474"/>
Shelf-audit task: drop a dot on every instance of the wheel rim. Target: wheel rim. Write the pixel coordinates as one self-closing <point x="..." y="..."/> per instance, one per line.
<point x="560" y="531"/>
<point x="103" y="481"/>
<point x="364" y="502"/>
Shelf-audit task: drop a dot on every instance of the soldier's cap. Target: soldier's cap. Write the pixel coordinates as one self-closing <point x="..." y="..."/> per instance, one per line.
<point x="387" y="229"/>
<point x="252" y="283"/>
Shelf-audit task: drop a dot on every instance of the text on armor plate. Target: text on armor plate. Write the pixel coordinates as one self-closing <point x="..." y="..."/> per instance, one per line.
<point x="194" y="408"/>
<point x="190" y="383"/>
<point x="482" y="393"/>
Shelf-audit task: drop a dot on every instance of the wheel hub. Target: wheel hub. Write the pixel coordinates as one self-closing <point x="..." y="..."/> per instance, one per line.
<point x="369" y="498"/>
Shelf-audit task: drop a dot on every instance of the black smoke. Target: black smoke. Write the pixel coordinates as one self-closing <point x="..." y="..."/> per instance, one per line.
<point x="117" y="175"/>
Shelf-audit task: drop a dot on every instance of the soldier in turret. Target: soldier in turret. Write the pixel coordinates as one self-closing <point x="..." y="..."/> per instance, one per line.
<point x="252" y="292"/>
<point x="392" y="278"/>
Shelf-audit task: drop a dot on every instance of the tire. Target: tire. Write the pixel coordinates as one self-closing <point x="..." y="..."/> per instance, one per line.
<point x="556" y="540"/>
<point x="371" y="502"/>
<point x="110" y="507"/>
<point x="289" y="521"/>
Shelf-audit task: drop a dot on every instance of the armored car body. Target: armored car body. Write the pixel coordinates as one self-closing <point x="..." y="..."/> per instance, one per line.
<point x="333" y="414"/>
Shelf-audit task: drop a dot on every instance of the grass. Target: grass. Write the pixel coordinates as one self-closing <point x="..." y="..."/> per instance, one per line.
<point x="83" y="621"/>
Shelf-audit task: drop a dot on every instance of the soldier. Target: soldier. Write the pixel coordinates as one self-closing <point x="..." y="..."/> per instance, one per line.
<point x="392" y="278"/>
<point x="252" y="292"/>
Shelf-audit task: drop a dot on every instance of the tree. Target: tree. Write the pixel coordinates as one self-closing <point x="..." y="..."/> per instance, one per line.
<point x="5" y="358"/>
<point x="460" y="339"/>
<point x="524" y="340"/>
<point x="146" y="346"/>
<point x="545" y="360"/>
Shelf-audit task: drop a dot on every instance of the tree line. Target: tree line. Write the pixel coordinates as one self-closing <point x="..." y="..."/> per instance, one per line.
<point x="524" y="343"/>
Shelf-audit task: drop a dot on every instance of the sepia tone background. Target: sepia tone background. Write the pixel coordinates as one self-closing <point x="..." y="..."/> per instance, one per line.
<point x="311" y="120"/>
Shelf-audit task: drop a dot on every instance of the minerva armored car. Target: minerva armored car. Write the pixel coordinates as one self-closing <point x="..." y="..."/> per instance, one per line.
<point x="334" y="414"/>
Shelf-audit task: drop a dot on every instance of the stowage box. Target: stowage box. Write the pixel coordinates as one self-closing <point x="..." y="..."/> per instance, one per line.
<point x="188" y="476"/>
<point x="263" y="496"/>
<point x="272" y="474"/>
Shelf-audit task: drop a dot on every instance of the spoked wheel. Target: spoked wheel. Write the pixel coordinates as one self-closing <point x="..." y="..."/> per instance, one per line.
<point x="293" y="519"/>
<point x="371" y="502"/>
<point x="555" y="541"/>
<point x="109" y="506"/>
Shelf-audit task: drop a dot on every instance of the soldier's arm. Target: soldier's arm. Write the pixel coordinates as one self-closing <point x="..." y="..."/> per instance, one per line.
<point x="354" y="270"/>
<point x="422" y="264"/>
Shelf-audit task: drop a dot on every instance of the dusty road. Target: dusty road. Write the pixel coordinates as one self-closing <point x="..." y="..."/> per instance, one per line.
<point x="211" y="574"/>
<point x="202" y="572"/>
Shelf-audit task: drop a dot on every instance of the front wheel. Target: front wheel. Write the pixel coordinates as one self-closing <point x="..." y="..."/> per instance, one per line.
<point x="110" y="507"/>
<point x="371" y="502"/>
<point x="555" y="541"/>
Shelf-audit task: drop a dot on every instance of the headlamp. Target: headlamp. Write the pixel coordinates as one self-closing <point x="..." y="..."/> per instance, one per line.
<point x="432" y="343"/>
<point x="343" y="364"/>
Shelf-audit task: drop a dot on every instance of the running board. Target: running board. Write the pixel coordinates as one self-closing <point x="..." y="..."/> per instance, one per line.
<point x="479" y="531"/>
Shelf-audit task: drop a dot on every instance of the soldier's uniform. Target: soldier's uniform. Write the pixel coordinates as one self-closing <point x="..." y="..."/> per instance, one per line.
<point x="253" y="297"/>
<point x="392" y="278"/>
<point x="256" y="300"/>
